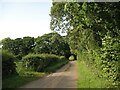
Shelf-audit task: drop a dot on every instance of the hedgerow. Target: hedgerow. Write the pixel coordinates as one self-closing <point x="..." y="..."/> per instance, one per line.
<point x="38" y="62"/>
<point x="110" y="57"/>
<point x="8" y="65"/>
<point x="93" y="32"/>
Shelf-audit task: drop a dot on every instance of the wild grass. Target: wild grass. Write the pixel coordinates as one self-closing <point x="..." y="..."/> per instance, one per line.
<point x="18" y="80"/>
<point x="87" y="79"/>
<point x="24" y="76"/>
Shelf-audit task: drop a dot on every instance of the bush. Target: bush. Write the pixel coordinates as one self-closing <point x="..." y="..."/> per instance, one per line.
<point x="8" y="65"/>
<point x="38" y="62"/>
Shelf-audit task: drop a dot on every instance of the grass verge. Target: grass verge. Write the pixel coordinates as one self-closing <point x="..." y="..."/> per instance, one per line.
<point x="25" y="76"/>
<point x="86" y="78"/>
<point x="19" y="80"/>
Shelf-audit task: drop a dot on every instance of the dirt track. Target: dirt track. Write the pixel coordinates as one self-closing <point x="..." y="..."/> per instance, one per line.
<point x="66" y="77"/>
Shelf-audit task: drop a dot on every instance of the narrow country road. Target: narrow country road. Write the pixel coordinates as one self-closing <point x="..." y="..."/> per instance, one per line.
<point x="66" y="77"/>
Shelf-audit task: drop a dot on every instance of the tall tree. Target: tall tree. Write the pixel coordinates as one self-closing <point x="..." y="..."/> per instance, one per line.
<point x="28" y="45"/>
<point x="19" y="47"/>
<point x="89" y="26"/>
<point x="7" y="44"/>
<point x="52" y="43"/>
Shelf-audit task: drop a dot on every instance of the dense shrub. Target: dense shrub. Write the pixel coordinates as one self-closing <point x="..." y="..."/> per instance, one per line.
<point x="110" y="59"/>
<point x="8" y="65"/>
<point x="38" y="62"/>
<point x="105" y="61"/>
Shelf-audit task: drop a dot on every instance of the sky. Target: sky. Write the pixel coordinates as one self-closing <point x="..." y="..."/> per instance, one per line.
<point x="19" y="18"/>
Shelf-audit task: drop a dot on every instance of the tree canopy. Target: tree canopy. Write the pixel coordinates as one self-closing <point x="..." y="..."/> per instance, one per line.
<point x="18" y="46"/>
<point x="52" y="43"/>
<point x="93" y="32"/>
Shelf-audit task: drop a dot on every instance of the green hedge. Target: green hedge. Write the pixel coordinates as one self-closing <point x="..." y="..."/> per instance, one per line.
<point x="8" y="65"/>
<point x="38" y="62"/>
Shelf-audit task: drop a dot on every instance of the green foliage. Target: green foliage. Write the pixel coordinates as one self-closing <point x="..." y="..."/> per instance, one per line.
<point x="54" y="67"/>
<point x="26" y="76"/>
<point x="110" y="59"/>
<point x="7" y="44"/>
<point x="52" y="43"/>
<point x="88" y="79"/>
<point x="8" y="65"/>
<point x="19" y="47"/>
<point x="93" y="31"/>
<point x="38" y="62"/>
<point x="16" y="81"/>
<point x="28" y="45"/>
